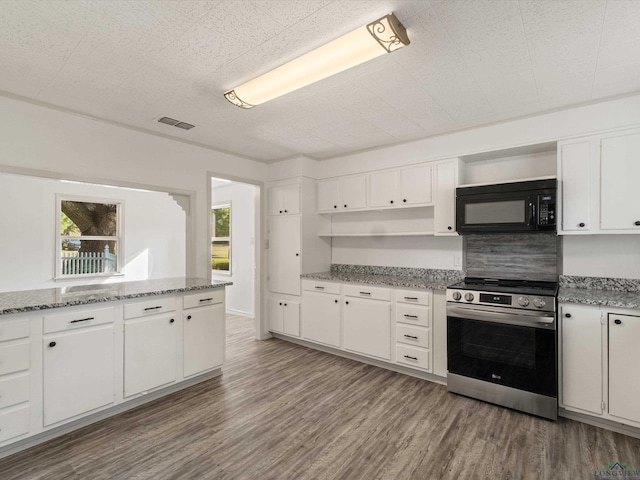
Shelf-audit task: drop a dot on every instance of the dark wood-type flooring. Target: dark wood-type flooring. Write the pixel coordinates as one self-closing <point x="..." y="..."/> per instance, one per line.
<point x="281" y="411"/>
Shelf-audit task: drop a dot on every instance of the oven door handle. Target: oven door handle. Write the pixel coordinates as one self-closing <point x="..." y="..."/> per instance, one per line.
<point x="531" y="319"/>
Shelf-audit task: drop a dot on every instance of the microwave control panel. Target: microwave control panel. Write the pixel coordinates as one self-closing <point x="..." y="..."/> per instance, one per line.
<point x="546" y="210"/>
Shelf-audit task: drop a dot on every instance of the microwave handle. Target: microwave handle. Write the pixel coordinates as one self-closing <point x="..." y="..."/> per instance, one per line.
<point x="532" y="212"/>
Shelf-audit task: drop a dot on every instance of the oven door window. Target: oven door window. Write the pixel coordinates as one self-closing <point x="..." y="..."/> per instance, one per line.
<point x="510" y="355"/>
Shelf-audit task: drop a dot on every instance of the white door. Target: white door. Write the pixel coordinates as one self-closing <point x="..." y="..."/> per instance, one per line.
<point x="624" y="360"/>
<point x="445" y="198"/>
<point x="149" y="353"/>
<point x="581" y="358"/>
<point x="291" y="318"/>
<point x="383" y="187"/>
<point x="276" y="315"/>
<point x="354" y="192"/>
<point x="415" y="185"/>
<point x="321" y="318"/>
<point x="575" y="175"/>
<point x="203" y="339"/>
<point x="620" y="170"/>
<point x="328" y="195"/>
<point x="284" y="255"/>
<point x="367" y="327"/>
<point x="78" y="373"/>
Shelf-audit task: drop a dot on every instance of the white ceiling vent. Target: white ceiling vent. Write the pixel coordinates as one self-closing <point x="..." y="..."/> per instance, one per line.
<point x="176" y="123"/>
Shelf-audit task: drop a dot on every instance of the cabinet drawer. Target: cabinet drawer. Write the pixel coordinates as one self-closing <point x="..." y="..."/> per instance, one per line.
<point x="413" y="315"/>
<point x="365" y="291"/>
<point x="14" y="358"/>
<point x="14" y="423"/>
<point x="201" y="299"/>
<point x="14" y="390"/>
<point x="413" y="356"/>
<point x="149" y="307"/>
<point x="418" y="336"/>
<point x="12" y="329"/>
<point x="77" y="319"/>
<point x="413" y="296"/>
<point x="322" y="287"/>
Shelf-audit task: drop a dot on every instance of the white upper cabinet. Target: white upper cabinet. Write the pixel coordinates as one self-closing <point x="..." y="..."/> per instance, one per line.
<point x="620" y="170"/>
<point x="284" y="200"/>
<point x="446" y="182"/>
<point x="400" y="187"/>
<point x="598" y="184"/>
<point x="576" y="170"/>
<point x="340" y="194"/>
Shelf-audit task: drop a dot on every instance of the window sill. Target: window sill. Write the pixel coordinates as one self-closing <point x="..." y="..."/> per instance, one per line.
<point x="88" y="276"/>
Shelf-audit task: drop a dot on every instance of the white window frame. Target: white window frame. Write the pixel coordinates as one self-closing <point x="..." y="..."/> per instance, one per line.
<point x="119" y="238"/>
<point x="222" y="239"/>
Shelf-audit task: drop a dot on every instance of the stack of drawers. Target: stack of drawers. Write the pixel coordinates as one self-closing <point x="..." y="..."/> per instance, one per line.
<point x="14" y="378"/>
<point x="413" y="329"/>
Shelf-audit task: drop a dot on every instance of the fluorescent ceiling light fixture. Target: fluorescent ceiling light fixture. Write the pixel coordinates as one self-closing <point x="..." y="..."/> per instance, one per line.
<point x="381" y="36"/>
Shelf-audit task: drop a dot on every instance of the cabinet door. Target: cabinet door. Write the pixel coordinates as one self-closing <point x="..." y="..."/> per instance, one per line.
<point x="354" y="192"/>
<point x="276" y="201"/>
<point x="78" y="373"/>
<point x="445" y="198"/>
<point x="149" y="353"/>
<point x="582" y="358"/>
<point x="367" y="327"/>
<point x="203" y="339"/>
<point x="575" y="176"/>
<point x="276" y="315"/>
<point x="624" y="359"/>
<point x="415" y="185"/>
<point x="383" y="189"/>
<point x="329" y="195"/>
<point x="291" y="318"/>
<point x="321" y="318"/>
<point x="620" y="194"/>
<point x="290" y="199"/>
<point x="284" y="255"/>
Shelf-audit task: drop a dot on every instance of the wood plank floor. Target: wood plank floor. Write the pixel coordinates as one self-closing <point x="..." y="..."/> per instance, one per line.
<point x="281" y="411"/>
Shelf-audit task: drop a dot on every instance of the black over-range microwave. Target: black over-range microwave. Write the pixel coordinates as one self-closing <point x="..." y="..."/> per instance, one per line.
<point x="507" y="207"/>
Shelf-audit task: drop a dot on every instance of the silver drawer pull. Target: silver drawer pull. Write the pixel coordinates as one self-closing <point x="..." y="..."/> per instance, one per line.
<point x="152" y="308"/>
<point x="410" y="316"/>
<point x="410" y="357"/>
<point x="365" y="293"/>
<point x="318" y="287"/>
<point x="411" y="298"/>
<point x="206" y="299"/>
<point x="82" y="320"/>
<point x="413" y="337"/>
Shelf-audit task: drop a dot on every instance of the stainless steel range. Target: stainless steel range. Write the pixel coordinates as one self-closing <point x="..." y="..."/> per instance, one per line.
<point x="502" y="343"/>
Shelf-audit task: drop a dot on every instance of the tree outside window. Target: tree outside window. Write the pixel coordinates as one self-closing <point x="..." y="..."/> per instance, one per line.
<point x="88" y="237"/>
<point x="221" y="238"/>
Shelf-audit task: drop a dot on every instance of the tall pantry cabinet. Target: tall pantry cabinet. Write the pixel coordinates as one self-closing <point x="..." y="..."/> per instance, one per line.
<point x="294" y="248"/>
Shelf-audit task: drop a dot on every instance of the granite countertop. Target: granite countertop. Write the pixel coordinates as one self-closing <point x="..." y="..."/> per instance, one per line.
<point x="30" y="300"/>
<point x="600" y="291"/>
<point x="429" y="279"/>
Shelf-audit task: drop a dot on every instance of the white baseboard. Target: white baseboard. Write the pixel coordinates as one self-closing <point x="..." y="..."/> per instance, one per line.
<point x="240" y="312"/>
<point x="600" y="422"/>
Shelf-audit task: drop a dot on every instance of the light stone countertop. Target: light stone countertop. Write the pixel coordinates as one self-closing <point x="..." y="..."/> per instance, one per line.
<point x="600" y="291"/>
<point x="42" y="299"/>
<point x="427" y="283"/>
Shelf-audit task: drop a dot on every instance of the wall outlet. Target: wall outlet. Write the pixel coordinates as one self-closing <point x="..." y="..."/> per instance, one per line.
<point x="457" y="260"/>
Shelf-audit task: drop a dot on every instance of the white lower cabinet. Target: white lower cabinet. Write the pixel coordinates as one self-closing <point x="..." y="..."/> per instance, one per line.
<point x="624" y="360"/>
<point x="149" y="353"/>
<point x="78" y="372"/>
<point x="367" y="327"/>
<point x="14" y="422"/>
<point x="321" y="318"/>
<point x="581" y="350"/>
<point x="203" y="340"/>
<point x="284" y="316"/>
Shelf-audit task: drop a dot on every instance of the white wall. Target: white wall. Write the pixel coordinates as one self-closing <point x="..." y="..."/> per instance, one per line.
<point x="240" y="296"/>
<point x="153" y="232"/>
<point x="71" y="146"/>
<point x="602" y="255"/>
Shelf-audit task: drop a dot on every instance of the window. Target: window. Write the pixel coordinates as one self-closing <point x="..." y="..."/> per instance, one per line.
<point x="221" y="238"/>
<point x="89" y="237"/>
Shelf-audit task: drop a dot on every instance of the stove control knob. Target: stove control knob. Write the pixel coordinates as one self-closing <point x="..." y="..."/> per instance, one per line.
<point x="468" y="297"/>
<point x="539" y="303"/>
<point x="523" y="301"/>
<point x="457" y="296"/>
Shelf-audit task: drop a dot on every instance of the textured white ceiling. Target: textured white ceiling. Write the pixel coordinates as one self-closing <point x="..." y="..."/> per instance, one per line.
<point x="470" y="62"/>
